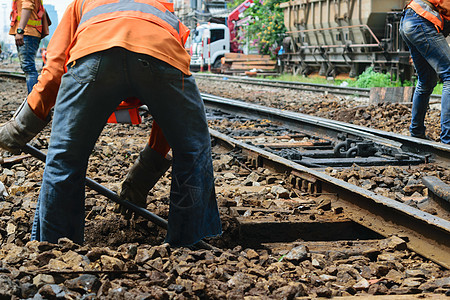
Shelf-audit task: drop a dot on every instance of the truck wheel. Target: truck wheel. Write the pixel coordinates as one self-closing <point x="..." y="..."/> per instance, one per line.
<point x="217" y="64"/>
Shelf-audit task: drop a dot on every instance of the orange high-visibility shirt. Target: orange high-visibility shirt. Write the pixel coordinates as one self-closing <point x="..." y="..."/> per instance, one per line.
<point x="436" y="13"/>
<point x="32" y="5"/>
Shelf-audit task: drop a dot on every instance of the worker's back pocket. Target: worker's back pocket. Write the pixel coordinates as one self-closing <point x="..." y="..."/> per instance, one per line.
<point x="85" y="69"/>
<point x="166" y="71"/>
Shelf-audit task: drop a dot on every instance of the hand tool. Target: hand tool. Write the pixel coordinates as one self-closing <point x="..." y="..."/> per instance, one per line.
<point x="114" y="197"/>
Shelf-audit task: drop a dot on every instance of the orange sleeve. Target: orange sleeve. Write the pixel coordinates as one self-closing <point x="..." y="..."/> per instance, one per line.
<point x="43" y="96"/>
<point x="158" y="141"/>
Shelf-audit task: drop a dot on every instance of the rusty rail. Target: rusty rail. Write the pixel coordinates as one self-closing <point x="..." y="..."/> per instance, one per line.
<point x="425" y="234"/>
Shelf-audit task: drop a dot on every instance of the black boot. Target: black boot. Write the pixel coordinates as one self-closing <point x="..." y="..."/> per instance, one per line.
<point x="143" y="175"/>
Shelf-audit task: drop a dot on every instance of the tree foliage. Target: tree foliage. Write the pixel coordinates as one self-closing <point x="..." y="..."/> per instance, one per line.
<point x="266" y="25"/>
<point x="234" y="3"/>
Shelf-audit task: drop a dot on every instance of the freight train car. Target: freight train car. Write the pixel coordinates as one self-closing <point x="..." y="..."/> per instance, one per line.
<point x="344" y="36"/>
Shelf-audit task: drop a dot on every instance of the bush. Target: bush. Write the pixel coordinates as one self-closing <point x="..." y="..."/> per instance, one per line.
<point x="369" y="78"/>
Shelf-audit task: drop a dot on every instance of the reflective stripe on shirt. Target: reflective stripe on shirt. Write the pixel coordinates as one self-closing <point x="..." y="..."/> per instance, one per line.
<point x="31" y="22"/>
<point x="130" y="5"/>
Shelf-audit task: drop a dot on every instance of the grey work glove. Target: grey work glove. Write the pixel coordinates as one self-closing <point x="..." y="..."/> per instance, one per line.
<point x="143" y="175"/>
<point x="21" y="129"/>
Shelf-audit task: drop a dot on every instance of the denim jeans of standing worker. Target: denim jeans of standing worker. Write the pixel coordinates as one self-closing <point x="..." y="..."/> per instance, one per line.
<point x="430" y="53"/>
<point x="90" y="91"/>
<point x="27" y="57"/>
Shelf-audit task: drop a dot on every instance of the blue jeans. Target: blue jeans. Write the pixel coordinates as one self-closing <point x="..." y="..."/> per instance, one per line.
<point x="431" y="56"/>
<point x="27" y="57"/>
<point x="90" y="91"/>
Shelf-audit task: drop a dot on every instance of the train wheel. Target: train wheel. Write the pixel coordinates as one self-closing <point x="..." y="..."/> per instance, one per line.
<point x="217" y="64"/>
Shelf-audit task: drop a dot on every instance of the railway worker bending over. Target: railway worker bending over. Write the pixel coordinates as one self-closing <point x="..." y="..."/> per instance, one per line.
<point x="114" y="50"/>
<point x="423" y="28"/>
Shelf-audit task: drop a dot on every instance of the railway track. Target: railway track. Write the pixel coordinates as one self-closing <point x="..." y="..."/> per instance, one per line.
<point x="388" y="143"/>
<point x="12" y="74"/>
<point x="320" y="210"/>
<point x="303" y="144"/>
<point x="324" y="88"/>
<point x="318" y="144"/>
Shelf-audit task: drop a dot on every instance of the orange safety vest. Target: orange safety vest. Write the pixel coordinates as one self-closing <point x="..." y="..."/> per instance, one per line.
<point x="158" y="12"/>
<point x="36" y="23"/>
<point x="127" y="112"/>
<point x="427" y="10"/>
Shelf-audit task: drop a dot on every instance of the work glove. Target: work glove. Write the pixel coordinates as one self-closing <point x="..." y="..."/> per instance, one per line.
<point x="149" y="167"/>
<point x="21" y="129"/>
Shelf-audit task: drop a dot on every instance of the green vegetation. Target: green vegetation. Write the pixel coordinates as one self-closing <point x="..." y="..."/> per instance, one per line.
<point x="438" y="89"/>
<point x="233" y="4"/>
<point x="266" y="26"/>
<point x="369" y="78"/>
<point x="265" y="29"/>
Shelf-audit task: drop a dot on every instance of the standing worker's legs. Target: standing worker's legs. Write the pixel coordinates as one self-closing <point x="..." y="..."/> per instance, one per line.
<point x="431" y="55"/>
<point x="85" y="100"/>
<point x="27" y="57"/>
<point x="426" y="81"/>
<point x="445" y="112"/>
<point x="175" y="103"/>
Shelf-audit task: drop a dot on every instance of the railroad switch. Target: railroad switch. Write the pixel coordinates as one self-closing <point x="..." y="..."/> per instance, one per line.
<point x="353" y="148"/>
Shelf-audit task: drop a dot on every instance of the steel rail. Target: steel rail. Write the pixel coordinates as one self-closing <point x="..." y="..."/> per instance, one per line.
<point x="425" y="234"/>
<point x="332" y="129"/>
<point x="19" y="75"/>
<point x="157" y="220"/>
<point x="313" y="87"/>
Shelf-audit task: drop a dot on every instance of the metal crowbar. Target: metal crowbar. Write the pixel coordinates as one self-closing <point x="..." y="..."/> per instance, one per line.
<point x="115" y="198"/>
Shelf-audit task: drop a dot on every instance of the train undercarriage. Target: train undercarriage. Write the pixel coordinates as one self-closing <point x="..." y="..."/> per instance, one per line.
<point x="330" y="62"/>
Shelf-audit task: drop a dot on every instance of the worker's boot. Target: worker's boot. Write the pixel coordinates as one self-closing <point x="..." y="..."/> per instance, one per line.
<point x="143" y="175"/>
<point x="21" y="129"/>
